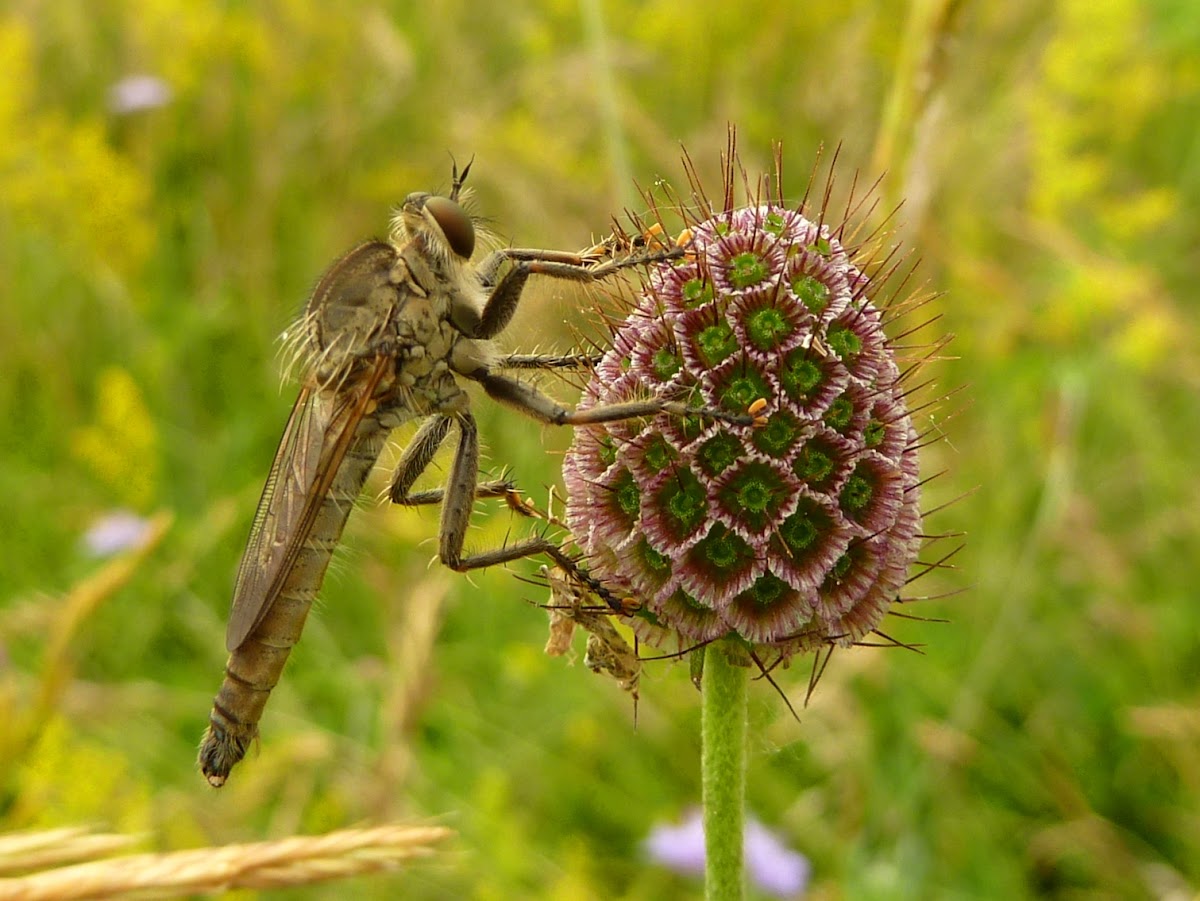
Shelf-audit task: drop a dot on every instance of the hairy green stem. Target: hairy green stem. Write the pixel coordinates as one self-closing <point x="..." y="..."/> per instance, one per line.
<point x="723" y="761"/>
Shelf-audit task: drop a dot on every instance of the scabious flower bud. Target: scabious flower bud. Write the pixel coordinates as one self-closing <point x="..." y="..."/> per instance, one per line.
<point x="793" y="533"/>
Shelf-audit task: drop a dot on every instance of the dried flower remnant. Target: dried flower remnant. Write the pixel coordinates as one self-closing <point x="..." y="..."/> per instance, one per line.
<point x="797" y="532"/>
<point x="607" y="650"/>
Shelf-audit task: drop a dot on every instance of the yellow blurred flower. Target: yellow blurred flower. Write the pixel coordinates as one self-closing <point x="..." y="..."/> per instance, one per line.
<point x="60" y="178"/>
<point x="121" y="447"/>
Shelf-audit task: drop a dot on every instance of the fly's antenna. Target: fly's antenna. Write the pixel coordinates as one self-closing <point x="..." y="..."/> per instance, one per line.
<point x="457" y="179"/>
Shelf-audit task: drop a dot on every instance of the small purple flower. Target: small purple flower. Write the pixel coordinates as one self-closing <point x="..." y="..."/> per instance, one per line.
<point x="136" y="93"/>
<point x="773" y="867"/>
<point x="114" y="532"/>
<point x="679" y="847"/>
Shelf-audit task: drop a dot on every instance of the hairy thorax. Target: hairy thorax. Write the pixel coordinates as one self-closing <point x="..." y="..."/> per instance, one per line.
<point x="426" y="339"/>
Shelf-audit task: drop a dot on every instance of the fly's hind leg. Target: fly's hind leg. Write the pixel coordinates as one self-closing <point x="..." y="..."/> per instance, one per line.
<point x="424" y="446"/>
<point x="416" y="458"/>
<point x="457" y="502"/>
<point x="420" y="453"/>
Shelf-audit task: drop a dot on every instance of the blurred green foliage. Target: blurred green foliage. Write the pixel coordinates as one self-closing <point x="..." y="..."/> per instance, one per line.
<point x="1047" y="741"/>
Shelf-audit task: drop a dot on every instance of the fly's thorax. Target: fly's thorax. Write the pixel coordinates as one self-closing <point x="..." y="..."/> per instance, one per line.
<point x="451" y="284"/>
<point x="424" y="342"/>
<point x="423" y="339"/>
<point x="422" y="387"/>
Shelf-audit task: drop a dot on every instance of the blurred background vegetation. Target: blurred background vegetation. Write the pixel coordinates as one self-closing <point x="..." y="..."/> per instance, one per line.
<point x="1046" y="743"/>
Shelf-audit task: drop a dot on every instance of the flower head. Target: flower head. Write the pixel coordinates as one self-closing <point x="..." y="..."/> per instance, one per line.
<point x="792" y="533"/>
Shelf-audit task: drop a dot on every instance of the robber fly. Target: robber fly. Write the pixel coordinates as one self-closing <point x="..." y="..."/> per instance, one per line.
<point x="387" y="335"/>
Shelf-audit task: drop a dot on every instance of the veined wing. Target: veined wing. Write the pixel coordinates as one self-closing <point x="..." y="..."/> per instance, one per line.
<point x="314" y="443"/>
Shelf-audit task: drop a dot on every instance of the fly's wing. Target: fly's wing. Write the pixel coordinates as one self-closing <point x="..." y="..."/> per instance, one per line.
<point x="318" y="434"/>
<point x="280" y="509"/>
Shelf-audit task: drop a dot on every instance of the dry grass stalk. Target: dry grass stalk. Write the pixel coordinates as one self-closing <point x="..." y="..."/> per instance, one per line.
<point x="23" y="852"/>
<point x="298" y="860"/>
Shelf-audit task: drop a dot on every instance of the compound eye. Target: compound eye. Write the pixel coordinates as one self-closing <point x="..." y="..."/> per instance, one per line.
<point x="455" y="225"/>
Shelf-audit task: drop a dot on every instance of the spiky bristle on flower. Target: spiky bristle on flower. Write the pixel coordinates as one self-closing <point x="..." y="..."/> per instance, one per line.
<point x="797" y="532"/>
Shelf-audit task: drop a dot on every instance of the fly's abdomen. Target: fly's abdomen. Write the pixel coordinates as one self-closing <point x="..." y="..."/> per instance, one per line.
<point x="254" y="666"/>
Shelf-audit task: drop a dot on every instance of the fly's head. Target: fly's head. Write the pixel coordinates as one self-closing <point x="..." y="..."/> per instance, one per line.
<point x="436" y="237"/>
<point x="442" y="228"/>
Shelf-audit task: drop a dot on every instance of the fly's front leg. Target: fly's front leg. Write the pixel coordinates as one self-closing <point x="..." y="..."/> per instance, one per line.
<point x="592" y="259"/>
<point x="490" y="267"/>
<point x="502" y="302"/>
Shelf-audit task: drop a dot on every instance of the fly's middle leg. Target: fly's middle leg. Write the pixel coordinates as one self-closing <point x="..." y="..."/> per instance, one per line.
<point x="533" y="402"/>
<point x="549" y="361"/>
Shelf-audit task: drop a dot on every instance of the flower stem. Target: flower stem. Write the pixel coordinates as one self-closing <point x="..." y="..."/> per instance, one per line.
<point x="723" y="761"/>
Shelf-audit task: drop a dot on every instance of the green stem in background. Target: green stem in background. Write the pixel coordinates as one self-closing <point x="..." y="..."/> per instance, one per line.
<point x="723" y="761"/>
